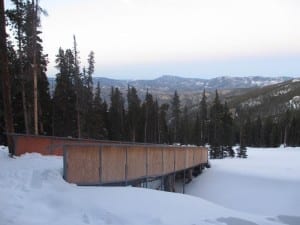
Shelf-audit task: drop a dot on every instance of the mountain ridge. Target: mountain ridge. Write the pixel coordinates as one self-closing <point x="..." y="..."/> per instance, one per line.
<point x="189" y="89"/>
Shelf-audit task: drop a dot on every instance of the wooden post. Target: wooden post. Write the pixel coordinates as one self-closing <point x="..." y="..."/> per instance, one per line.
<point x="147" y="167"/>
<point x="100" y="166"/>
<point x="162" y="165"/>
<point x="6" y="88"/>
<point x="126" y="167"/>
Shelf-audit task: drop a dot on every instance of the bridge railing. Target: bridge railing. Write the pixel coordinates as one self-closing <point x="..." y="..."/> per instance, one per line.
<point x="125" y="163"/>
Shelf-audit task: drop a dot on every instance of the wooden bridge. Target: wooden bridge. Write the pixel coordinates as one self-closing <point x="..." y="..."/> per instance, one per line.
<point x="93" y="162"/>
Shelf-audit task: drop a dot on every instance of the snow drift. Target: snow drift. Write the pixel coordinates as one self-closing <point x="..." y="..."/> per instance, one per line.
<point x="32" y="191"/>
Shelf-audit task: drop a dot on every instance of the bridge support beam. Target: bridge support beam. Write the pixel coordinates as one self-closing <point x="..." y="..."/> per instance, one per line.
<point x="169" y="183"/>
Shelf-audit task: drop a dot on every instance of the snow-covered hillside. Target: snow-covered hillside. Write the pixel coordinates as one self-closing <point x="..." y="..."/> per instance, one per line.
<point x="32" y="191"/>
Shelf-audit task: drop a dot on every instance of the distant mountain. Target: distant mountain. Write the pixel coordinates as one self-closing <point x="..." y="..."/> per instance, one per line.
<point x="268" y="100"/>
<point x="171" y="83"/>
<point x="189" y="89"/>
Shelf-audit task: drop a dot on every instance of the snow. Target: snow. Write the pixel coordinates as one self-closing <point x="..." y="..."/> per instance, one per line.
<point x="281" y="92"/>
<point x="263" y="189"/>
<point x="252" y="102"/>
<point x="296" y="80"/>
<point x="294" y="103"/>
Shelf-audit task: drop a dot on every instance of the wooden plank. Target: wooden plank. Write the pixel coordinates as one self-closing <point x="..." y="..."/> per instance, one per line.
<point x="168" y="156"/>
<point x="155" y="161"/>
<point x="113" y="163"/>
<point x="136" y="162"/>
<point x="179" y="159"/>
<point x="190" y="156"/>
<point x="83" y="165"/>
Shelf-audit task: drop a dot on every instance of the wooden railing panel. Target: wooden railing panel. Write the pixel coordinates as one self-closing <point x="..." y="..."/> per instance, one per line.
<point x="168" y="160"/>
<point x="179" y="158"/>
<point x="154" y="161"/>
<point x="136" y="162"/>
<point x="83" y="165"/>
<point x="104" y="163"/>
<point x="205" y="155"/>
<point x="190" y="156"/>
<point x="113" y="162"/>
<point x="197" y="156"/>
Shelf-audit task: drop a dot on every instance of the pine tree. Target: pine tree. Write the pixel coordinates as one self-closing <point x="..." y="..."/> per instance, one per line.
<point x="133" y="114"/>
<point x="116" y="115"/>
<point x="267" y="130"/>
<point x="5" y="80"/>
<point x="148" y="118"/>
<point x="228" y="139"/>
<point x="163" y="126"/>
<point x="64" y="99"/>
<point x="242" y="150"/>
<point x="203" y="119"/>
<point x="31" y="79"/>
<point x="257" y="132"/>
<point x="17" y="19"/>
<point x="87" y="98"/>
<point x="185" y="132"/>
<point x="175" y="119"/>
<point x="98" y="127"/>
<point x="197" y="131"/>
<point x="78" y="87"/>
<point x="216" y="131"/>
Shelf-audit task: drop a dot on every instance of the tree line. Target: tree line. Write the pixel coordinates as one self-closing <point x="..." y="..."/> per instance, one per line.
<point x="77" y="109"/>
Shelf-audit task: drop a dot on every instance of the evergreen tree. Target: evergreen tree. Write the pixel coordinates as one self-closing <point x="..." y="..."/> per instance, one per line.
<point x="17" y="19"/>
<point x="105" y="114"/>
<point x="175" y="119"/>
<point x="133" y="114"/>
<point x="5" y="80"/>
<point x="149" y="119"/>
<point x="98" y="127"/>
<point x="78" y="87"/>
<point x="64" y="99"/>
<point x="294" y="130"/>
<point x="163" y="137"/>
<point x="30" y="74"/>
<point x="197" y="131"/>
<point x="256" y="132"/>
<point x="242" y="150"/>
<point x="116" y="115"/>
<point x="267" y="130"/>
<point x="228" y="138"/>
<point x="87" y="98"/>
<point x="216" y="131"/>
<point x="247" y="127"/>
<point x="185" y="132"/>
<point x="203" y="119"/>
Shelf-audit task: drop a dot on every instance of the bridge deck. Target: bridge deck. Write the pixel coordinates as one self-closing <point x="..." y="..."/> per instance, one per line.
<point x="123" y="163"/>
<point x="100" y="162"/>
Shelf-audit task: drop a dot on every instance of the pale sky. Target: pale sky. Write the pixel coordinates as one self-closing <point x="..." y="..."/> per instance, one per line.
<point x="143" y="39"/>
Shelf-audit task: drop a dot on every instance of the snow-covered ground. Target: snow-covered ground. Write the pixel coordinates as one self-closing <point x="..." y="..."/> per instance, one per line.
<point x="263" y="189"/>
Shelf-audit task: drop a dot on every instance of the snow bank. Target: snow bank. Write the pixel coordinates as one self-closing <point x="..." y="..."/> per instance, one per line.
<point x="32" y="191"/>
<point x="267" y="183"/>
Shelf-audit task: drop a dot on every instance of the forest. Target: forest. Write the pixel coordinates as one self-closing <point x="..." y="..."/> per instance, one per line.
<point x="76" y="109"/>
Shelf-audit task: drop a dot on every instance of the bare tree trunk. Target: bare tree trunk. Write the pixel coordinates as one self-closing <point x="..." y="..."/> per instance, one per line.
<point x="146" y="125"/>
<point x="24" y="102"/>
<point x="41" y="124"/>
<point x="35" y="68"/>
<point x="5" y="81"/>
<point x="285" y="135"/>
<point x="77" y="86"/>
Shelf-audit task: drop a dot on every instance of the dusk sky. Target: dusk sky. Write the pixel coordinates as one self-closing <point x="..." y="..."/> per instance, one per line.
<point x="143" y="39"/>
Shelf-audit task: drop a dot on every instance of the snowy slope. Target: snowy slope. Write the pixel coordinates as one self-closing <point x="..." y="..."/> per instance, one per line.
<point x="32" y="191"/>
<point x="267" y="183"/>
